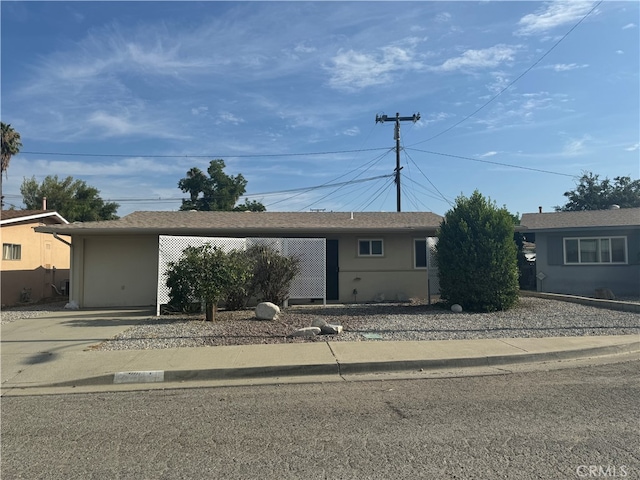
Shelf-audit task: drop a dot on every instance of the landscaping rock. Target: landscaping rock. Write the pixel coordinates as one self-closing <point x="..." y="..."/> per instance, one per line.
<point x="306" y="332"/>
<point x="267" y="311"/>
<point x="330" y="329"/>
<point x="318" y="322"/>
<point x="72" y="306"/>
<point x="455" y="308"/>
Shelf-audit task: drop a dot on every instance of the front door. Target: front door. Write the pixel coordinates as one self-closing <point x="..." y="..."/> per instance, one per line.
<point x="332" y="270"/>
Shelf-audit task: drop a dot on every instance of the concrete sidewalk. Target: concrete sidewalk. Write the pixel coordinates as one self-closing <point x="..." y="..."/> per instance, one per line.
<point x="51" y="354"/>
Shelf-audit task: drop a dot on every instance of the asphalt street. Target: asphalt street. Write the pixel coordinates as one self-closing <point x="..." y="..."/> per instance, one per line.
<point x="568" y="423"/>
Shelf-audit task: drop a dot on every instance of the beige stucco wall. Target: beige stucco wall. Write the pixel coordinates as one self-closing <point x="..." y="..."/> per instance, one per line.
<point x="121" y="271"/>
<point x="114" y="271"/>
<point x="44" y="261"/>
<point x="390" y="277"/>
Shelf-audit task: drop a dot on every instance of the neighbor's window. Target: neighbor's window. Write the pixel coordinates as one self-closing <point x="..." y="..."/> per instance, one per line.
<point x="595" y="250"/>
<point x="420" y="253"/>
<point x="11" y="251"/>
<point x="370" y="248"/>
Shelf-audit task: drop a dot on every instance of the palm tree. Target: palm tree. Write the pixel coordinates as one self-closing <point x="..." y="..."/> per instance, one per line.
<point x="10" y="146"/>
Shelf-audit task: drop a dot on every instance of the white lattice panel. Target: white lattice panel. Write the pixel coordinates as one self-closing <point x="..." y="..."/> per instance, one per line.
<point x="311" y="252"/>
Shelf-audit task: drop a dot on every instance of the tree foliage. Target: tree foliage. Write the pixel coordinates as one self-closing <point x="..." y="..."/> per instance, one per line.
<point x="217" y="191"/>
<point x="201" y="275"/>
<point x="272" y="273"/>
<point x="477" y="256"/>
<point x="591" y="193"/>
<point x="73" y="199"/>
<point x="11" y="145"/>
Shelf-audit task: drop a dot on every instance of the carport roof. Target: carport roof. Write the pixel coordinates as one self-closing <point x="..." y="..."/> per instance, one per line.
<point x="254" y="223"/>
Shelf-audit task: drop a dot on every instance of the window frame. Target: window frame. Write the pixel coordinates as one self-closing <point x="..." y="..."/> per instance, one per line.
<point x="14" y="247"/>
<point x="370" y="242"/>
<point x="600" y="242"/>
<point x="415" y="254"/>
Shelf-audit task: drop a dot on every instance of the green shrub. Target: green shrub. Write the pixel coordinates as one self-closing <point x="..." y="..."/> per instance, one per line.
<point x="240" y="286"/>
<point x="272" y="273"/>
<point x="477" y="256"/>
<point x="201" y="275"/>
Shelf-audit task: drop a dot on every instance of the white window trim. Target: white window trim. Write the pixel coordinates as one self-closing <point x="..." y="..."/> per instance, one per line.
<point x="370" y="249"/>
<point x="579" y="262"/>
<point x="415" y="250"/>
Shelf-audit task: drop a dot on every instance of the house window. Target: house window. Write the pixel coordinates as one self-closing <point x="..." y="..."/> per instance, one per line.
<point x="370" y="248"/>
<point x="11" y="251"/>
<point x="595" y="250"/>
<point x="420" y="253"/>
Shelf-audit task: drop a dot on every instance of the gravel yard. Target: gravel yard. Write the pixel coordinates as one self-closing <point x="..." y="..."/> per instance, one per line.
<point x="533" y="317"/>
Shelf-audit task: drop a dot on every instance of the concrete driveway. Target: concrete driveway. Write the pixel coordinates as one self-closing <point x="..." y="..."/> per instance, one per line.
<point x="32" y="347"/>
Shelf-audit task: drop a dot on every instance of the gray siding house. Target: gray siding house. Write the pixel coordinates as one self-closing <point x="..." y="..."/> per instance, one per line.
<point x="579" y="252"/>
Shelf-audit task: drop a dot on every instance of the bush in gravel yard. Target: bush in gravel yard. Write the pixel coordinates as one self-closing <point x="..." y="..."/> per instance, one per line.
<point x="240" y="287"/>
<point x="477" y="256"/>
<point x="272" y="273"/>
<point x="201" y="275"/>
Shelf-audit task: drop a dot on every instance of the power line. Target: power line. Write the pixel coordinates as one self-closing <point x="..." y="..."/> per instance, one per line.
<point x="493" y="163"/>
<point x="372" y="164"/>
<point x="261" y="194"/>
<point x="428" y="180"/>
<point x="388" y="186"/>
<point x="514" y="81"/>
<point x="217" y="155"/>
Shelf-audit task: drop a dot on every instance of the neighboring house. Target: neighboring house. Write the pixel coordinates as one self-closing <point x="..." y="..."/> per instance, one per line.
<point x="34" y="265"/>
<point x="579" y="252"/>
<point x="369" y="255"/>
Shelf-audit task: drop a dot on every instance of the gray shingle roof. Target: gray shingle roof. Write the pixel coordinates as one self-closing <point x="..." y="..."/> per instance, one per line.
<point x="254" y="223"/>
<point x="623" y="217"/>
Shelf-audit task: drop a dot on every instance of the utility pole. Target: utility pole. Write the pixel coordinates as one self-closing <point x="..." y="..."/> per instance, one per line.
<point x="398" y="119"/>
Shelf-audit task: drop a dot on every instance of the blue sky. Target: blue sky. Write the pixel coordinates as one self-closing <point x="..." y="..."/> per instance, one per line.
<point x="514" y="101"/>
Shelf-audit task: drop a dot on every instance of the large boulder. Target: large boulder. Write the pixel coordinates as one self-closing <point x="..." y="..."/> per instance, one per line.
<point x="318" y="322"/>
<point x="267" y="311"/>
<point x="330" y="329"/>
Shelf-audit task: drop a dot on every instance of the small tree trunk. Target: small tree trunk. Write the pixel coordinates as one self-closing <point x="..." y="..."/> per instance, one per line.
<point x="210" y="311"/>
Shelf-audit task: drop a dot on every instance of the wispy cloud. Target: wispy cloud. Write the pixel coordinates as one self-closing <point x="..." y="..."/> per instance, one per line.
<point x="352" y="132"/>
<point x="488" y="154"/>
<point x="576" y="146"/>
<point x="201" y="110"/>
<point x="565" y="67"/>
<point x="633" y="148"/>
<point x="351" y="69"/>
<point x="434" y="118"/>
<point x="474" y="59"/>
<point x="629" y="25"/>
<point x="228" y="117"/>
<point x="551" y="15"/>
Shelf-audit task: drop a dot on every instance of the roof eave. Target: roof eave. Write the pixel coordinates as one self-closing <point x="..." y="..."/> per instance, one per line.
<point x="228" y="232"/>
<point x="36" y="216"/>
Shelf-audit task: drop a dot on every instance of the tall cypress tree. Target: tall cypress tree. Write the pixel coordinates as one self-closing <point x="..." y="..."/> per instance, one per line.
<point x="477" y="256"/>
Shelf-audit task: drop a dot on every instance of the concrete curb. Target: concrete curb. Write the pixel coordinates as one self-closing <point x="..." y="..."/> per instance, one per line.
<point x="591" y="302"/>
<point x="341" y="369"/>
